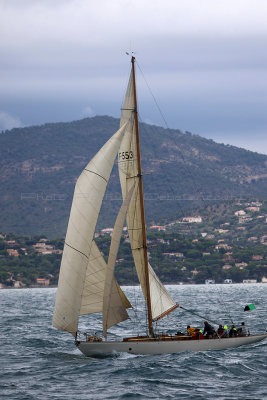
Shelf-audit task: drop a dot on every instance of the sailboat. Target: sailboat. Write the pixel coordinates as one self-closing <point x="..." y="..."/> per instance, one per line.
<point x="87" y="283"/>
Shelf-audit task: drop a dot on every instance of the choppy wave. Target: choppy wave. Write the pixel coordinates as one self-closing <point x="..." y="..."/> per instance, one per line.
<point x="39" y="362"/>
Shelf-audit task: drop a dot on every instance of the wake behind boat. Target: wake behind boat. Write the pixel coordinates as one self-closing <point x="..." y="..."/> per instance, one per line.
<point x="87" y="283"/>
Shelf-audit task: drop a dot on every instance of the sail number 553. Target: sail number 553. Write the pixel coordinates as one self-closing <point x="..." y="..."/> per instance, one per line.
<point x="125" y="155"/>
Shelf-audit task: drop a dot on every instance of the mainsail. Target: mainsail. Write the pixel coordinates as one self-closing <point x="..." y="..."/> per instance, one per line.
<point x="161" y="301"/>
<point x="88" y="195"/>
<point x="86" y="282"/>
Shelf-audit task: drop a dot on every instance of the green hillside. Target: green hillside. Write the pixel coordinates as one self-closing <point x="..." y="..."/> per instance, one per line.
<point x="39" y="166"/>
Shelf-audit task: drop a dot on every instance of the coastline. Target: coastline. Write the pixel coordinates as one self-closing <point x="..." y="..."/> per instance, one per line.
<point x="166" y="284"/>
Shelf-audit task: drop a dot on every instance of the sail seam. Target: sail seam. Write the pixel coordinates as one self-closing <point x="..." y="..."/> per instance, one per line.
<point x="131" y="160"/>
<point x="88" y="170"/>
<point x="73" y="248"/>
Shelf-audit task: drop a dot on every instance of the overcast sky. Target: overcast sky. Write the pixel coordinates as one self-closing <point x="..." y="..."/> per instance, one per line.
<point x="204" y="61"/>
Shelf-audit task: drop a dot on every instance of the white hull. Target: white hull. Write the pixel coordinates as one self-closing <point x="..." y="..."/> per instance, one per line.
<point x="164" y="347"/>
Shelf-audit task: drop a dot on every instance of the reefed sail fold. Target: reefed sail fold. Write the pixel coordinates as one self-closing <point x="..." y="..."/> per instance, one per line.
<point x="88" y="195"/>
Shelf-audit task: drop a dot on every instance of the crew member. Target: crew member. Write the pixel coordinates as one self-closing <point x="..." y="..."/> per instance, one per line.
<point x="190" y="331"/>
<point x="233" y="331"/>
<point x="242" y="331"/>
<point x="209" y="331"/>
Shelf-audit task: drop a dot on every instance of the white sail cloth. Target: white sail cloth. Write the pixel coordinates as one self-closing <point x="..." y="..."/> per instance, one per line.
<point x="113" y="308"/>
<point x="161" y="301"/>
<point x="88" y="195"/>
<point x="93" y="291"/>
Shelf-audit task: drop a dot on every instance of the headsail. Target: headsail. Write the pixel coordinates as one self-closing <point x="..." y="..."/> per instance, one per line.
<point x="93" y="291"/>
<point x="88" y="195"/>
<point x="161" y="301"/>
<point x="113" y="308"/>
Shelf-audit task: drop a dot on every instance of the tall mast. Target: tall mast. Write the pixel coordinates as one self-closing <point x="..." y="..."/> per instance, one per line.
<point x="148" y="299"/>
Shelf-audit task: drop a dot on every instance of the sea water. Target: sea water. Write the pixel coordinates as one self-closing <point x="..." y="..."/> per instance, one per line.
<point x="40" y="362"/>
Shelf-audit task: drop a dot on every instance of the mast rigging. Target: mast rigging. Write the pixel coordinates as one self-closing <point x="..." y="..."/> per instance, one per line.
<point x="148" y="299"/>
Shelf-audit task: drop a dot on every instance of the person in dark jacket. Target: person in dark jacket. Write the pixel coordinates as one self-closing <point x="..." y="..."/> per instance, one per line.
<point x="209" y="331"/>
<point x="232" y="331"/>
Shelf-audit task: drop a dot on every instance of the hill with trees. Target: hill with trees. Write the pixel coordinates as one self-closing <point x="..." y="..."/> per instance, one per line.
<point x="211" y="249"/>
<point x="39" y="166"/>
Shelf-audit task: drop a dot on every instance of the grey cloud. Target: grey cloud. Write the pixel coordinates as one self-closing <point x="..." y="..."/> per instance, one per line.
<point x="205" y="64"/>
<point x="8" y="121"/>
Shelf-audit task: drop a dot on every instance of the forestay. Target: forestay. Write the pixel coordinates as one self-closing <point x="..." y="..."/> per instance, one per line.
<point x="161" y="301"/>
<point x="88" y="195"/>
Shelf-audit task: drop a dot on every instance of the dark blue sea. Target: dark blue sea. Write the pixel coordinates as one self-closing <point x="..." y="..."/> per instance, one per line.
<point x="39" y="362"/>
